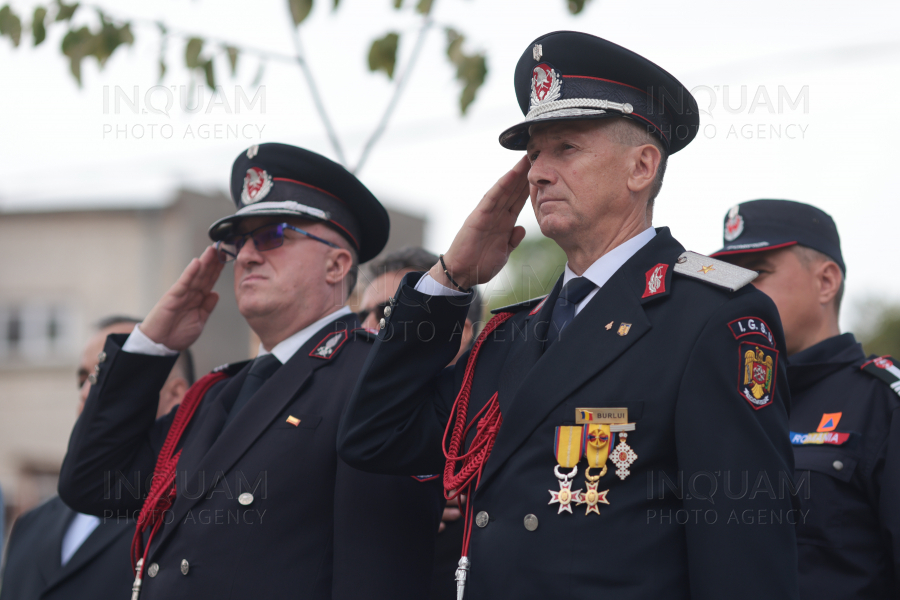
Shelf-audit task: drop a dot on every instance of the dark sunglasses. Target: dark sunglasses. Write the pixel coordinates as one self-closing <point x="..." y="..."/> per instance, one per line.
<point x="267" y="237"/>
<point x="377" y="310"/>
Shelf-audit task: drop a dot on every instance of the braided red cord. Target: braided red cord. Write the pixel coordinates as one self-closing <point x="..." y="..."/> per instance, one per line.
<point x="488" y="422"/>
<point x="162" y="490"/>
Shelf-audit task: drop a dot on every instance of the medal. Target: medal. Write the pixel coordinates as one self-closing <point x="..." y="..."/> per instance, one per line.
<point x="568" y="447"/>
<point x="623" y="456"/>
<point x="597" y="442"/>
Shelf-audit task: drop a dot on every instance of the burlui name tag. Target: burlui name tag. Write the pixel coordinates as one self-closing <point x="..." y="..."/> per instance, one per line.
<point x="604" y="416"/>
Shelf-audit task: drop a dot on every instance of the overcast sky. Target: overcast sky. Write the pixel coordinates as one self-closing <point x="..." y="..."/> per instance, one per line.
<point x="817" y="122"/>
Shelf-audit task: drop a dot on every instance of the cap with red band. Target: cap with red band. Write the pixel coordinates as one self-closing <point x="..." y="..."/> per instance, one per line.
<point x="282" y="180"/>
<point x="567" y="75"/>
<point x="762" y="225"/>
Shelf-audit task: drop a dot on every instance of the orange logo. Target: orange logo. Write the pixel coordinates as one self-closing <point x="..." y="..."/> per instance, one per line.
<point x="829" y="422"/>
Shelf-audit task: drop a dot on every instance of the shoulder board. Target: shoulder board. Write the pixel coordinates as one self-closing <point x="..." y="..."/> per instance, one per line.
<point x="884" y="369"/>
<point x="231" y="369"/>
<point x="519" y="306"/>
<point x="712" y="271"/>
<point x="365" y="334"/>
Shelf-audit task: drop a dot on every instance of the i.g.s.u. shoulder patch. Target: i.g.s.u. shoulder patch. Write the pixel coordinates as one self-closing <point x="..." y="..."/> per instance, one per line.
<point x="747" y="326"/>
<point x="757" y="368"/>
<point x="330" y="344"/>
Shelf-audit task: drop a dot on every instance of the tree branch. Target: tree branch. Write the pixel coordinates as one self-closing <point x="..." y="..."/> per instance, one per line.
<point x="427" y="22"/>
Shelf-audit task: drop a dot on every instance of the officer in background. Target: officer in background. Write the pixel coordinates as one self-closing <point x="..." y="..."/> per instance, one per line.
<point x="248" y="497"/>
<point x="845" y="427"/>
<point x="57" y="553"/>
<point x="593" y="431"/>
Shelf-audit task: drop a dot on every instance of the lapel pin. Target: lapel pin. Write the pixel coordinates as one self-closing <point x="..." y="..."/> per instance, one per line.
<point x="624" y="328"/>
<point x="293" y="420"/>
<point x="609" y="325"/>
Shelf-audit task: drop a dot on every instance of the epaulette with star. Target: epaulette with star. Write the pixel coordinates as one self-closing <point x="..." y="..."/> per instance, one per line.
<point x="883" y="368"/>
<point x="513" y="308"/>
<point x="713" y="271"/>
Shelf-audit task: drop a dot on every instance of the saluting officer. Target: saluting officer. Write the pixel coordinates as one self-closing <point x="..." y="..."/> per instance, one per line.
<point x="845" y="428"/>
<point x="248" y="498"/>
<point x="604" y="435"/>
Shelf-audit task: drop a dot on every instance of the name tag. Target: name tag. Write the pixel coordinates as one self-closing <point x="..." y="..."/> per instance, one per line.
<point x="603" y="416"/>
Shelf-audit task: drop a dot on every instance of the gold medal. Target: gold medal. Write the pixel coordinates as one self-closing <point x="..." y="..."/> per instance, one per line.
<point x="568" y="447"/>
<point x="597" y="441"/>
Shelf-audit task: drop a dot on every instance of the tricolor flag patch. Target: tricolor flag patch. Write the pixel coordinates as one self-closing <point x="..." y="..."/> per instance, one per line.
<point x="832" y="438"/>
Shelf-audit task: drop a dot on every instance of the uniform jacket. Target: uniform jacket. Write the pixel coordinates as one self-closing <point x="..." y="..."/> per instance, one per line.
<point x="314" y="527"/>
<point x="686" y="523"/>
<point x="849" y="536"/>
<point x="99" y="568"/>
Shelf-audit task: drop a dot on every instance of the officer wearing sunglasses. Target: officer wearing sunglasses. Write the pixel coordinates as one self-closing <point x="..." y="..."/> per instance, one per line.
<point x="259" y="505"/>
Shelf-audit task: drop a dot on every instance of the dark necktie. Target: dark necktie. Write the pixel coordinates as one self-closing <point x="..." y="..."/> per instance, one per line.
<point x="262" y="368"/>
<point x="564" y="310"/>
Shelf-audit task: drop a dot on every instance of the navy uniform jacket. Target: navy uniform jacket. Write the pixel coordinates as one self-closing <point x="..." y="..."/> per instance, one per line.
<point x="849" y="537"/>
<point x="98" y="569"/>
<point x="677" y="371"/>
<point x="316" y="528"/>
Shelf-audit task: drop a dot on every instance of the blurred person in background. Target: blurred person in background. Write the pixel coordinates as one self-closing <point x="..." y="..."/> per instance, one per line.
<point x="845" y="426"/>
<point x="57" y="553"/>
<point x="249" y="498"/>
<point x="385" y="274"/>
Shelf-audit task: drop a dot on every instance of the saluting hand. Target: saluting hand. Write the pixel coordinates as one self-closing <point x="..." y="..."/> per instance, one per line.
<point x="489" y="234"/>
<point x="178" y="318"/>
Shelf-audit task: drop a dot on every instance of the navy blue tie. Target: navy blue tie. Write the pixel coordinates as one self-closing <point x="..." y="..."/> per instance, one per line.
<point x="262" y="368"/>
<point x="564" y="310"/>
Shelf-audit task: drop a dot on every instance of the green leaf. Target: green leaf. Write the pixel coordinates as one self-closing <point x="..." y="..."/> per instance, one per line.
<point x="300" y="9"/>
<point x="77" y="44"/>
<point x="10" y="25"/>
<point x="335" y="5"/>
<point x="471" y="70"/>
<point x="192" y="53"/>
<point x="383" y="54"/>
<point x="424" y="6"/>
<point x="65" y="12"/>
<point x="232" y="58"/>
<point x="576" y="6"/>
<point x="162" y="69"/>
<point x="109" y="38"/>
<point x="38" y="30"/>
<point x="398" y="4"/>
<point x="210" y="74"/>
<point x="257" y="79"/>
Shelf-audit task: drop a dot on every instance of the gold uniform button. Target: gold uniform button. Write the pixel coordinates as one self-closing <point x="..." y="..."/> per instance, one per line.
<point x="381" y="324"/>
<point x="482" y="518"/>
<point x="531" y="522"/>
<point x="185" y="566"/>
<point x="153" y="570"/>
<point x="387" y="311"/>
<point x="246" y="499"/>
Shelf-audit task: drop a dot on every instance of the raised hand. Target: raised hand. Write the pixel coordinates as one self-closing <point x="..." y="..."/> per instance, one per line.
<point x="489" y="234"/>
<point x="178" y="318"/>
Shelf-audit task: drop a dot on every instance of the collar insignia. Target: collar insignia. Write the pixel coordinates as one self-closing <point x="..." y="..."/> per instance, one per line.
<point x="329" y="345"/>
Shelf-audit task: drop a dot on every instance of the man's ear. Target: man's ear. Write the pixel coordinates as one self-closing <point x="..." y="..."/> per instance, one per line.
<point x="340" y="261"/>
<point x="171" y="395"/>
<point x="830" y="278"/>
<point x="646" y="161"/>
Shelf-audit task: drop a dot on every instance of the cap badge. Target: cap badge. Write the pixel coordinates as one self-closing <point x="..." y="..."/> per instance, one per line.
<point x="546" y="85"/>
<point x="537" y="52"/>
<point x="252" y="151"/>
<point x="257" y="184"/>
<point x="734" y="225"/>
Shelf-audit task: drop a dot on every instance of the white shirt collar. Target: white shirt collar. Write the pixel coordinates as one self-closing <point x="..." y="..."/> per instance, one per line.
<point x="607" y="265"/>
<point x="286" y="349"/>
